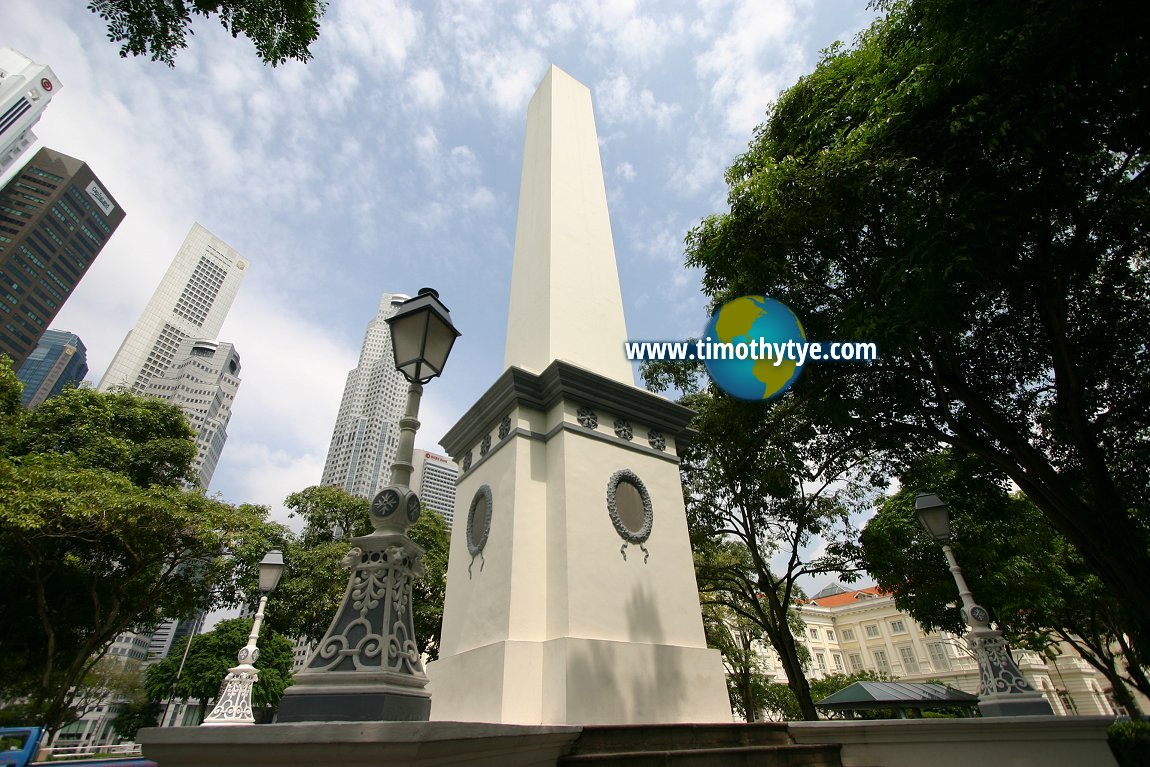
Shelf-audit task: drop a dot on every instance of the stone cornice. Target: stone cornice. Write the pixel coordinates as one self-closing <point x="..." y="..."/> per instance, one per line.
<point x="563" y="381"/>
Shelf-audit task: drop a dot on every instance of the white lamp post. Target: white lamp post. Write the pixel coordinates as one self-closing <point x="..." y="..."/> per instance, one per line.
<point x="234" y="705"/>
<point x="367" y="666"/>
<point x="1003" y="690"/>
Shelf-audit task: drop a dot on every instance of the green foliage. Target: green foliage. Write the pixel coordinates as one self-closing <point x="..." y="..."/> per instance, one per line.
<point x="280" y="29"/>
<point x="313" y="585"/>
<point x="146" y="440"/>
<point x="97" y="537"/>
<point x="967" y="188"/>
<point x="1130" y="743"/>
<point x="134" y="716"/>
<point x="211" y="655"/>
<point x="1035" y="584"/>
<point x="769" y="499"/>
<point x="10" y="392"/>
<point x="432" y="534"/>
<point x="738" y="639"/>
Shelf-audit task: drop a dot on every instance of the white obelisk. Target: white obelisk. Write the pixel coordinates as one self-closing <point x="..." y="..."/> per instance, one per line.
<point x="571" y="594"/>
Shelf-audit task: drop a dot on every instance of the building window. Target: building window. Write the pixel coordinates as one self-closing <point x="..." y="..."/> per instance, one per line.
<point x="838" y="662"/>
<point x="871" y="631"/>
<point x="822" y="659"/>
<point x="938" y="657"/>
<point x="814" y="632"/>
<point x="830" y="635"/>
<point x="880" y="662"/>
<point x="909" y="659"/>
<point x="897" y="627"/>
<point x="849" y="635"/>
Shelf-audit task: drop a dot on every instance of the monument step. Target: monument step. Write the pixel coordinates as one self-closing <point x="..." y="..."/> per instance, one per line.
<point x="766" y="744"/>
<point x="598" y="739"/>
<point x="790" y="755"/>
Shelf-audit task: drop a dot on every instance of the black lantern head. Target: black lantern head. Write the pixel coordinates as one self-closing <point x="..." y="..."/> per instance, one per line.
<point x="422" y="336"/>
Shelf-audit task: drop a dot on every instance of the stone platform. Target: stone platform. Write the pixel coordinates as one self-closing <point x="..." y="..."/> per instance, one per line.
<point x="1033" y="741"/>
<point x="342" y="744"/>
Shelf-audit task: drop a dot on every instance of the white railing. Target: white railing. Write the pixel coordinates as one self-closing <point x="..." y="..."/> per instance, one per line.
<point x="84" y="752"/>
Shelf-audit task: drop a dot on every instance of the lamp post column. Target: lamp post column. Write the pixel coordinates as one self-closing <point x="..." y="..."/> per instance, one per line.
<point x="367" y="667"/>
<point x="234" y="705"/>
<point x="1002" y="689"/>
<point x="402" y="469"/>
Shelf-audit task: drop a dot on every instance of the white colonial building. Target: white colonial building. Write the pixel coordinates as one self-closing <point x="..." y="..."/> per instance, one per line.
<point x="861" y="629"/>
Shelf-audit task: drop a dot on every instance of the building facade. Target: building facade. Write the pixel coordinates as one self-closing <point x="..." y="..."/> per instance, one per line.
<point x="852" y="630"/>
<point x="191" y="302"/>
<point x="433" y="480"/>
<point x="202" y="381"/>
<point x="55" y="218"/>
<point x="366" y="434"/>
<point x="58" y="360"/>
<point x="25" y="90"/>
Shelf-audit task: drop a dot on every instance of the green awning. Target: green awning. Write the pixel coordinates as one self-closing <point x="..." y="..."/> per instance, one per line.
<point x="871" y="695"/>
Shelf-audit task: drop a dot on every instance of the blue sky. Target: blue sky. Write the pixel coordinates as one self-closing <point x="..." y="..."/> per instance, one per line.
<point x="391" y="161"/>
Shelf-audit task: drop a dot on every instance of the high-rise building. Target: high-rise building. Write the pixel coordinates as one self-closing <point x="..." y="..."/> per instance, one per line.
<point x="433" y="480"/>
<point x="191" y="303"/>
<point x="202" y="381"/>
<point x="55" y="218"/>
<point x="25" y="90"/>
<point x="366" y="433"/>
<point x="58" y="360"/>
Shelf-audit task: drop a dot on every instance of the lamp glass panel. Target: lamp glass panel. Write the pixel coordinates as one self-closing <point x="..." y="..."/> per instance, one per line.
<point x="936" y="520"/>
<point x="271" y="568"/>
<point x="440" y="337"/>
<point x="407" y="336"/>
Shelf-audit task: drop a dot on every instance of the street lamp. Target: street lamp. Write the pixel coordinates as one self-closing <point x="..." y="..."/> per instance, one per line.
<point x="368" y="667"/>
<point x="1002" y="690"/>
<point x="235" y="701"/>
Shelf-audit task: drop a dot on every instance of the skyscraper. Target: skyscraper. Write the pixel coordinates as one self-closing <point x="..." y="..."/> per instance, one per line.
<point x="366" y="433"/>
<point x="433" y="480"/>
<point x="25" y="90"/>
<point x="55" y="218"/>
<point x="203" y="382"/>
<point x="58" y="360"/>
<point x="191" y="302"/>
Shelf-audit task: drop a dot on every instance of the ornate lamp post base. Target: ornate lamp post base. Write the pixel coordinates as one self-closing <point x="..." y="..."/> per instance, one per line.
<point x="235" y="702"/>
<point x="1003" y="690"/>
<point x="367" y="668"/>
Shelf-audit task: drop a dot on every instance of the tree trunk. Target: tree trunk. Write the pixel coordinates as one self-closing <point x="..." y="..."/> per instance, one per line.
<point x="785" y="645"/>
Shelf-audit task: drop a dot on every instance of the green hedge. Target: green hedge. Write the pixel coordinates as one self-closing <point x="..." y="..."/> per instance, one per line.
<point x="1130" y="742"/>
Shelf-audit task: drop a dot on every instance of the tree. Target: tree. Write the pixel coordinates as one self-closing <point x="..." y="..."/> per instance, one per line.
<point x="97" y="538"/>
<point x="280" y="29"/>
<point x="738" y="639"/>
<point x="209" y="658"/>
<point x="428" y="593"/>
<point x="769" y="500"/>
<point x="967" y="187"/>
<point x="10" y="407"/>
<point x="134" y="716"/>
<point x="313" y="585"/>
<point x="1034" y="583"/>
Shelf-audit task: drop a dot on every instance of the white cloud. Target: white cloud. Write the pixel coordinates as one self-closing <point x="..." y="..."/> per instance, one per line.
<point x="751" y="61"/>
<point x="377" y="35"/>
<point x="620" y="102"/>
<point x="426" y="88"/>
<point x="625" y="171"/>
